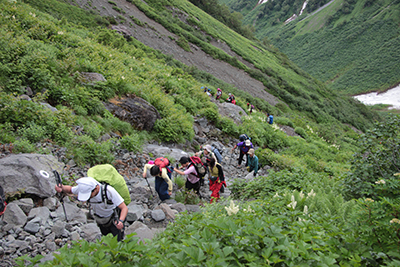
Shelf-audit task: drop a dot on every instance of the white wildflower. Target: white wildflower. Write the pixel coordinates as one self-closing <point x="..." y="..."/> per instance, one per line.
<point x="122" y="77"/>
<point x="232" y="209"/>
<point x="301" y="195"/>
<point x="395" y="220"/>
<point x="60" y="33"/>
<point x="381" y="181"/>
<point x="276" y="194"/>
<point x="311" y="194"/>
<point x="293" y="203"/>
<point x="305" y="210"/>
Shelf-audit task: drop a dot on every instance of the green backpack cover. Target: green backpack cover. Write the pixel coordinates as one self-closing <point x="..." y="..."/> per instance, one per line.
<point x="108" y="174"/>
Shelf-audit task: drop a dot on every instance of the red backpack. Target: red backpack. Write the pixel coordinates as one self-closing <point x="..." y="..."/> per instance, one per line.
<point x="162" y="163"/>
<point x="199" y="166"/>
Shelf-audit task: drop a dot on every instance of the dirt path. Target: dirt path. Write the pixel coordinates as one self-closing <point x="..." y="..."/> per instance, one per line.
<point x="156" y="36"/>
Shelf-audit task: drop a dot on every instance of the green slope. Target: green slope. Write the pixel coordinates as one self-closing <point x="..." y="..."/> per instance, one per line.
<point x="352" y="46"/>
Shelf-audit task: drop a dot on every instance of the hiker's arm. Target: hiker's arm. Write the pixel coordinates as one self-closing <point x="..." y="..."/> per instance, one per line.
<point x="122" y="216"/>
<point x="64" y="188"/>
<point x="234" y="147"/>
<point x="146" y="167"/>
<point x="165" y="176"/>
<point x="179" y="172"/>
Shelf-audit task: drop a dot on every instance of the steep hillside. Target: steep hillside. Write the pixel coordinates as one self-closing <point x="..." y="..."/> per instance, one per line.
<point x="352" y="46"/>
<point x="257" y="72"/>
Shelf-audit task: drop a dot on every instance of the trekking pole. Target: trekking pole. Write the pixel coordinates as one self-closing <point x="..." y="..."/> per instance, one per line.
<point x="60" y="195"/>
<point x="149" y="187"/>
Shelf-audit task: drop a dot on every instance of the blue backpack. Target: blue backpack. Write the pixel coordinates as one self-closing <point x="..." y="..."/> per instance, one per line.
<point x="217" y="154"/>
<point x="271" y="119"/>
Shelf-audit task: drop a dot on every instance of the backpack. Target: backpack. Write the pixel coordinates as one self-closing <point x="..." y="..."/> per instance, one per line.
<point x="244" y="137"/>
<point x="271" y="119"/>
<point x="199" y="166"/>
<point x="162" y="163"/>
<point x="3" y="203"/>
<point x="106" y="174"/>
<point x="217" y="154"/>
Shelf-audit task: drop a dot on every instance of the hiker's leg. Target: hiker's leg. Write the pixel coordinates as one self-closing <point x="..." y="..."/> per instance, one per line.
<point x="241" y="154"/>
<point x="164" y="190"/>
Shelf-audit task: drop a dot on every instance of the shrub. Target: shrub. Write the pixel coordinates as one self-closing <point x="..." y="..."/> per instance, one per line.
<point x="228" y="126"/>
<point x="131" y="142"/>
<point x="84" y="150"/>
<point x="180" y="181"/>
<point x="300" y="131"/>
<point x="33" y="132"/>
<point x="23" y="146"/>
<point x="211" y="114"/>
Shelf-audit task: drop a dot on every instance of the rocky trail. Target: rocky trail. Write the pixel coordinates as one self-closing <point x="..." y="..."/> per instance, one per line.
<point x="34" y="223"/>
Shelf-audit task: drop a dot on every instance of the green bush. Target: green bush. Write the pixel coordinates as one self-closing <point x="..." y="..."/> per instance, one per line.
<point x="86" y="151"/>
<point x="300" y="131"/>
<point x="180" y="181"/>
<point x="211" y="114"/>
<point x="33" y="132"/>
<point x="23" y="146"/>
<point x="283" y="121"/>
<point x="228" y="126"/>
<point x="131" y="142"/>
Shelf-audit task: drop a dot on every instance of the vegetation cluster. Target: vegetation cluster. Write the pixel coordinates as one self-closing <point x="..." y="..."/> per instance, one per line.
<point x="46" y="54"/>
<point x="352" y="46"/>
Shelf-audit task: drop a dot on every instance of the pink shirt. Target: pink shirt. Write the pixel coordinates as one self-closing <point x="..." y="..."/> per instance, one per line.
<point x="191" y="174"/>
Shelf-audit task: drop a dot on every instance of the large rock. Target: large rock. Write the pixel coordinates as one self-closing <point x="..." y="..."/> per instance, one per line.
<point x="14" y="215"/>
<point x="91" y="232"/>
<point x="231" y="111"/>
<point x="162" y="151"/>
<point x="142" y="231"/>
<point x="21" y="173"/>
<point x="135" y="110"/>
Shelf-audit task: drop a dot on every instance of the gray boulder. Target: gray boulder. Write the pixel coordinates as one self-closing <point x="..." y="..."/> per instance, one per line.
<point x="26" y="204"/>
<point x="21" y="173"/>
<point x="134" y="110"/>
<point x="91" y="232"/>
<point x="14" y="215"/>
<point x="134" y="212"/>
<point x="142" y="231"/>
<point x="158" y="215"/>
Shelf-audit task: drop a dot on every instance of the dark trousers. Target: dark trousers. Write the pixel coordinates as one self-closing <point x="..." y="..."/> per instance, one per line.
<point x="241" y="154"/>
<point x="113" y="230"/>
<point x="196" y="187"/>
<point x="162" y="188"/>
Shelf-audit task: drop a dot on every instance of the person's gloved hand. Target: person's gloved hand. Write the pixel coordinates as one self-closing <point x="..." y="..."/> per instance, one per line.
<point x="248" y="168"/>
<point x="254" y="174"/>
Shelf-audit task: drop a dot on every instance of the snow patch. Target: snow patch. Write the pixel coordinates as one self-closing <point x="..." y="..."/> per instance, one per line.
<point x="260" y="2"/>
<point x="294" y="16"/>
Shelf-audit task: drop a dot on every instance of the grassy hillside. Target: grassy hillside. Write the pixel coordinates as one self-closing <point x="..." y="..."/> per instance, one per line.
<point x="352" y="46"/>
<point x="305" y="212"/>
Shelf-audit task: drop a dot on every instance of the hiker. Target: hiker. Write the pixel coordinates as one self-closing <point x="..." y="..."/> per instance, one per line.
<point x="219" y="94"/>
<point x="108" y="206"/>
<point x="163" y="174"/>
<point x="206" y="153"/>
<point x="216" y="179"/>
<point x="251" y="108"/>
<point x="270" y="118"/>
<point x="244" y="137"/>
<point x="192" y="180"/>
<point x="252" y="162"/>
<point x="244" y="148"/>
<point x="231" y="98"/>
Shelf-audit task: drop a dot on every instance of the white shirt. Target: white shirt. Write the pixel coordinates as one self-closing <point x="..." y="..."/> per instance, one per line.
<point x="102" y="209"/>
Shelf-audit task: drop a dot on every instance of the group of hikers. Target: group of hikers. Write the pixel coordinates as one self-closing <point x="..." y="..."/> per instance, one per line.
<point x="110" y="209"/>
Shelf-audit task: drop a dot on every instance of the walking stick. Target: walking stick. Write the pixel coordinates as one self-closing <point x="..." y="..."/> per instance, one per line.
<point x="60" y="195"/>
<point x="149" y="187"/>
